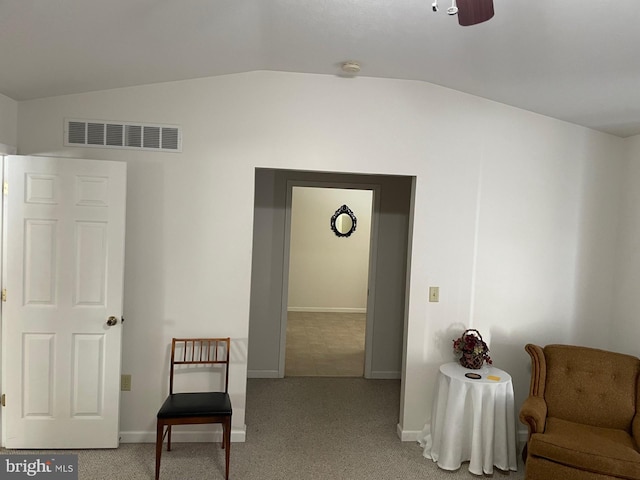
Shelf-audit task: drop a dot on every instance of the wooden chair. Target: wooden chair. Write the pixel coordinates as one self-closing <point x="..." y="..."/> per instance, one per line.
<point x="201" y="407"/>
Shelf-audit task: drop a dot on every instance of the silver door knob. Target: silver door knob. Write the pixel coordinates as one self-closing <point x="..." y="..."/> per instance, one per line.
<point x="111" y="321"/>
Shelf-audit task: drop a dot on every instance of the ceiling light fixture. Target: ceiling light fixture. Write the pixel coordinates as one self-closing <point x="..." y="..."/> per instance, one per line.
<point x="351" y="67"/>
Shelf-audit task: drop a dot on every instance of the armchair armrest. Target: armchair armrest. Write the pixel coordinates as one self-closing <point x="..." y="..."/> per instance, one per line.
<point x="538" y="369"/>
<point x="534" y="414"/>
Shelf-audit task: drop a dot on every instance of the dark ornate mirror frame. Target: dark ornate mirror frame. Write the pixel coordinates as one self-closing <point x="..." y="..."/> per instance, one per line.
<point x="343" y="210"/>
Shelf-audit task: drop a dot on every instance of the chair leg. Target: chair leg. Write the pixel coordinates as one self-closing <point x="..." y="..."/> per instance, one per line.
<point x="159" y="429"/>
<point x="168" y="438"/>
<point x="227" y="441"/>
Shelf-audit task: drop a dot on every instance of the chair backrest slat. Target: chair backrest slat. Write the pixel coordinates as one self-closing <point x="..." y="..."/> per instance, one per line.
<point x="211" y="351"/>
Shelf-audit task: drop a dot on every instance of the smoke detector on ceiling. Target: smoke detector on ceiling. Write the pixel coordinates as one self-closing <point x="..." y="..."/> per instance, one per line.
<point x="351" y="67"/>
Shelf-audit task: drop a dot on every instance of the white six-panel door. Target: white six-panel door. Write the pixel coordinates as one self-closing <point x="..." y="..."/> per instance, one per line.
<point x="63" y="253"/>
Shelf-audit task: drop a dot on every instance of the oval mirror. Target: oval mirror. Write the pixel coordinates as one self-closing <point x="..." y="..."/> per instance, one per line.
<point x="343" y="222"/>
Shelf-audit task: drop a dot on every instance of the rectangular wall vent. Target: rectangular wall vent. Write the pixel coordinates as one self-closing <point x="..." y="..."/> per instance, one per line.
<point x="138" y="136"/>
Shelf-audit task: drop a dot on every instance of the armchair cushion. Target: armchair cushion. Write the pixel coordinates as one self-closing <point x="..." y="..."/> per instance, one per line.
<point x="599" y="450"/>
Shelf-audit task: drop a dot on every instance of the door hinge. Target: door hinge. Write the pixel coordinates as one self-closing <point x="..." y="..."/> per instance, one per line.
<point x="3" y="400"/>
<point x="4" y="294"/>
<point x="5" y="188"/>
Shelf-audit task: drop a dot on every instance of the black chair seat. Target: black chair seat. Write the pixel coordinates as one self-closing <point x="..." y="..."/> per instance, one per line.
<point x="205" y="404"/>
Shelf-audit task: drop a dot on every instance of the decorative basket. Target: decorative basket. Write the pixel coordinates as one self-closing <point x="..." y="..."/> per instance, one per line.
<point x="469" y="360"/>
<point x="472" y="360"/>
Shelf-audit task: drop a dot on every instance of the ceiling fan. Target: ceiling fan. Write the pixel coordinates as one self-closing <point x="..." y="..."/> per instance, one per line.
<point x="470" y="12"/>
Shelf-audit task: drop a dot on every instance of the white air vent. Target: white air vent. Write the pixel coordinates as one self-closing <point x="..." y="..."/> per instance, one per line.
<point x="96" y="133"/>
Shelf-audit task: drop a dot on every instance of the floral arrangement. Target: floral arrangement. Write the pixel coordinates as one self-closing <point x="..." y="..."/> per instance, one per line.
<point x="472" y="349"/>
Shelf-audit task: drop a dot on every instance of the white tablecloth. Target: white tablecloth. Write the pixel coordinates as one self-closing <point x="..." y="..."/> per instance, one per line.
<point x="472" y="420"/>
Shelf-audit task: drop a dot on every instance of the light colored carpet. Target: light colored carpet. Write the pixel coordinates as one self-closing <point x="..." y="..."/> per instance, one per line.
<point x="297" y="429"/>
<point x="325" y="344"/>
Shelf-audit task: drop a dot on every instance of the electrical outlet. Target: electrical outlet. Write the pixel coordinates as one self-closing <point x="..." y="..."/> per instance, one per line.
<point x="434" y="294"/>
<point x="125" y="383"/>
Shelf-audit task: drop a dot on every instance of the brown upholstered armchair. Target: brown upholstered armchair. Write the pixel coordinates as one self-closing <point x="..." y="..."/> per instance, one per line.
<point x="583" y="414"/>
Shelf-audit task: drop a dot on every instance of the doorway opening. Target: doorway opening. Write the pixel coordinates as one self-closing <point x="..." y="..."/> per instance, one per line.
<point x="328" y="282"/>
<point x="387" y="274"/>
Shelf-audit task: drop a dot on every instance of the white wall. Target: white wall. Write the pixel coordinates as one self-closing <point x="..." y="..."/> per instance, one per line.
<point x="514" y="215"/>
<point x="326" y="272"/>
<point x="625" y="329"/>
<point x="8" y="121"/>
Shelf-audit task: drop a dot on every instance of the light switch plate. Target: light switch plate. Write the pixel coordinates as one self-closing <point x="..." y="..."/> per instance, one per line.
<point x="434" y="294"/>
<point x="125" y="383"/>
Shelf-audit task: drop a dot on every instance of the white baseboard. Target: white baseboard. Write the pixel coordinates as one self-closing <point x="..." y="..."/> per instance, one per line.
<point x="407" y="435"/>
<point x="521" y="437"/>
<point x="238" y="435"/>
<point x="263" y="374"/>
<point x="381" y="375"/>
<point x="327" y="310"/>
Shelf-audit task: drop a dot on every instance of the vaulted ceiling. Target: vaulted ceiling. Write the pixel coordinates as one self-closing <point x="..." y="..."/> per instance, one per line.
<point x="575" y="60"/>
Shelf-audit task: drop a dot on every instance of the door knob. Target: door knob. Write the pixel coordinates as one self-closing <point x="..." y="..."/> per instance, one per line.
<point x="111" y="321"/>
